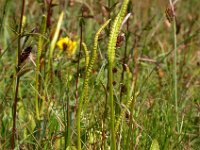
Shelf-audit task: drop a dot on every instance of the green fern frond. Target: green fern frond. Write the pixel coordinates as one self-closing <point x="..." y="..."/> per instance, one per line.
<point x="115" y="29"/>
<point x="123" y="113"/>
<point x="84" y="94"/>
<point x="87" y="57"/>
<point x="94" y="52"/>
<point x="92" y="60"/>
<point x="131" y="100"/>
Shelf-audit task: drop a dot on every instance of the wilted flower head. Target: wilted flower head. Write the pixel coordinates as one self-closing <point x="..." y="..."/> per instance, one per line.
<point x="67" y="45"/>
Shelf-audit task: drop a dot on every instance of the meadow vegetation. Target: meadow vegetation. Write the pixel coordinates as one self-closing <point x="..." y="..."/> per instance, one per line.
<point x="107" y="74"/>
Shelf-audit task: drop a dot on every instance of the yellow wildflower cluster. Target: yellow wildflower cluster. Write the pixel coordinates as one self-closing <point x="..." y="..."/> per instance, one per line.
<point x="67" y="45"/>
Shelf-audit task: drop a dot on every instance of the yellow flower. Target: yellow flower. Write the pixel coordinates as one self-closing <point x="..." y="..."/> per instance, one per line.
<point x="67" y="45"/>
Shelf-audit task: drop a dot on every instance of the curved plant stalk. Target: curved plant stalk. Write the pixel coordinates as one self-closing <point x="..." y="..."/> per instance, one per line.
<point x="115" y="29"/>
<point x="85" y="84"/>
<point x="52" y="46"/>
<point x="37" y="77"/>
<point x="175" y="73"/>
<point x="87" y="57"/>
<point x="123" y="113"/>
<point x="131" y="100"/>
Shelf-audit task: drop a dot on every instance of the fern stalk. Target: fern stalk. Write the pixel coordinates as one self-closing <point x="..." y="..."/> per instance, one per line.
<point x="37" y="77"/>
<point x="86" y="52"/>
<point x="115" y="29"/>
<point x="84" y="93"/>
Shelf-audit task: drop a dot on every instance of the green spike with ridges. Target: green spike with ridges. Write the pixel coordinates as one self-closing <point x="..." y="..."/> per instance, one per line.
<point x="115" y="29"/>
<point x="84" y="94"/>
<point x="87" y="57"/>
<point x="131" y="100"/>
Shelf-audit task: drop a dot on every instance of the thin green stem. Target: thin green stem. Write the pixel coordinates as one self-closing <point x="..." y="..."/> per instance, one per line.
<point x="115" y="29"/>
<point x="67" y="119"/>
<point x="175" y="74"/>
<point x="68" y="124"/>
<point x="38" y="68"/>
<point x="112" y="121"/>
<point x="86" y="80"/>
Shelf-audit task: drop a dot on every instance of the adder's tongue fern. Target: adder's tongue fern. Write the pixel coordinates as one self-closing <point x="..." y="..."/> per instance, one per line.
<point x="115" y="29"/>
<point x="111" y="55"/>
<point x="89" y="66"/>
